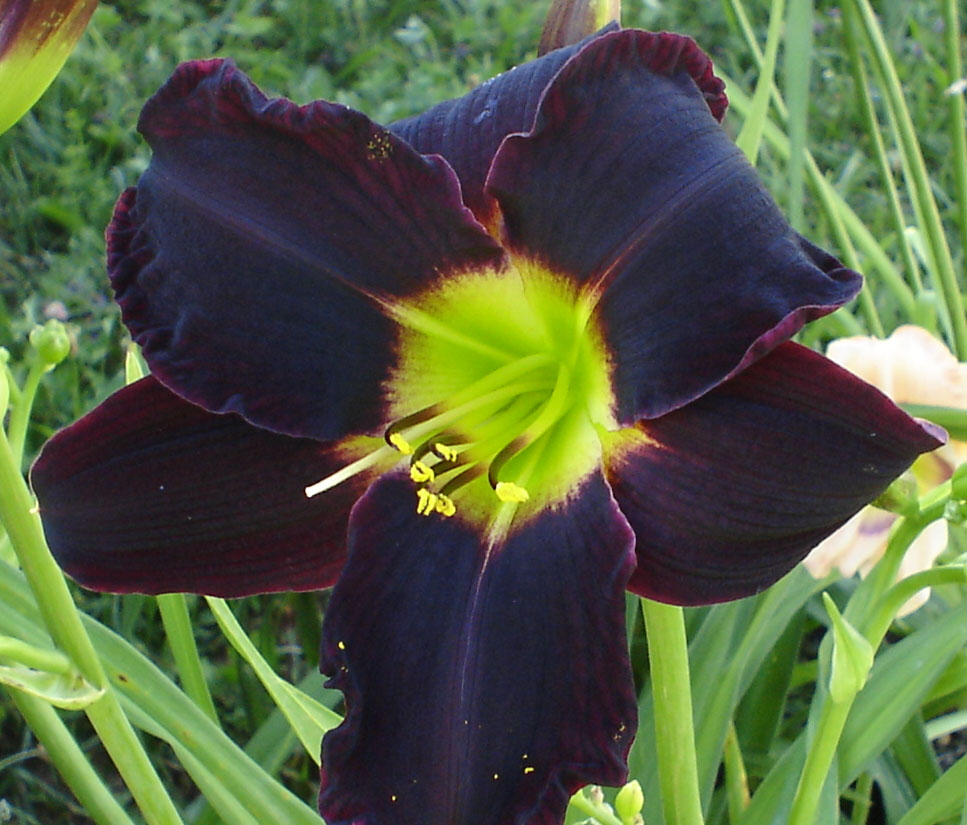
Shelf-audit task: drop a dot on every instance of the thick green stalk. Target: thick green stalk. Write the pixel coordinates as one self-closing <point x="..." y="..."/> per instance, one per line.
<point x="22" y="522"/>
<point x="674" y="726"/>
<point x="819" y="758"/>
<point x="70" y="760"/>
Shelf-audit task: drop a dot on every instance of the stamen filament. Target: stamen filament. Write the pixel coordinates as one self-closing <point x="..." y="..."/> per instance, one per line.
<point x="347" y="472"/>
<point x="493" y="380"/>
<point x="552" y="412"/>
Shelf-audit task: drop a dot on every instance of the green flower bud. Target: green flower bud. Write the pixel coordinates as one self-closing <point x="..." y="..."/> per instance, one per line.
<point x="51" y="342"/>
<point x="900" y="497"/>
<point x="852" y="656"/>
<point x="629" y="801"/>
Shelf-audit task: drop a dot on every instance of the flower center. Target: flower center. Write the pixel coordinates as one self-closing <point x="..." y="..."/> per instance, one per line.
<point x="501" y="384"/>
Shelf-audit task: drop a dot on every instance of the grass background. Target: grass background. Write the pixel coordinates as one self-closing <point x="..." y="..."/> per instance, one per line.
<point x="65" y="163"/>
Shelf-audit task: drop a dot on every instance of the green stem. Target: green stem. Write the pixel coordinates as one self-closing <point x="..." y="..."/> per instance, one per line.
<point x="70" y="760"/>
<point x="863" y="799"/>
<point x="181" y="640"/>
<point x="819" y="758"/>
<point x="674" y="726"/>
<point x="63" y="622"/>
<point x="20" y="412"/>
<point x="50" y="661"/>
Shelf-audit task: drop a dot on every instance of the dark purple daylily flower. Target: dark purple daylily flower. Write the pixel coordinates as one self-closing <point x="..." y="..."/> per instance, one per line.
<point x="534" y="344"/>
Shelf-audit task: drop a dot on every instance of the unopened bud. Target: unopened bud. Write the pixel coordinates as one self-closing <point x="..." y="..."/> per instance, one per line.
<point x="629" y="801"/>
<point x="900" y="497"/>
<point x="51" y="342"/>
<point x="852" y="656"/>
<point x="569" y="21"/>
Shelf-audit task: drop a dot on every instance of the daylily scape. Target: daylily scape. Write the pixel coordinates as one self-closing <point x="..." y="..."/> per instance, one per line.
<point x="482" y="370"/>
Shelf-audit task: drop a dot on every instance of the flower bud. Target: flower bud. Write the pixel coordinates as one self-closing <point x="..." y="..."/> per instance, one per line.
<point x="569" y="21"/>
<point x="629" y="801"/>
<point x="900" y="497"/>
<point x="852" y="656"/>
<point x="36" y="36"/>
<point x="51" y="342"/>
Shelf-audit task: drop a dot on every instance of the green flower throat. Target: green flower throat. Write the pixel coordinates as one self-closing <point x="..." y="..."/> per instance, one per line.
<point x="501" y="387"/>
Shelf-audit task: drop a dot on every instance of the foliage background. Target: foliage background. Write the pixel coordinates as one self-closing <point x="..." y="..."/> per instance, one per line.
<point x="65" y="163"/>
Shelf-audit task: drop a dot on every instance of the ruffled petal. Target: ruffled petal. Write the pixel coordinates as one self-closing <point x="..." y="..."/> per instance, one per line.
<point x="260" y="258"/>
<point x="628" y="184"/>
<point x="151" y="494"/>
<point x="728" y="493"/>
<point x="484" y="682"/>
<point x="467" y="130"/>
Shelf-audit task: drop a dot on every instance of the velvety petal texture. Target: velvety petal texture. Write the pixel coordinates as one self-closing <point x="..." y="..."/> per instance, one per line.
<point x="258" y="260"/>
<point x="695" y="269"/>
<point x="151" y="494"/>
<point x="484" y="682"/>
<point x="727" y="494"/>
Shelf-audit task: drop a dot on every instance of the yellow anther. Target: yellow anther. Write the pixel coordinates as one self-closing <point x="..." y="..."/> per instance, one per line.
<point x="421" y="473"/>
<point x="445" y="506"/>
<point x="400" y="443"/>
<point x="508" y="491"/>
<point x="529" y="769"/>
<point x="427" y="502"/>
<point x="445" y="452"/>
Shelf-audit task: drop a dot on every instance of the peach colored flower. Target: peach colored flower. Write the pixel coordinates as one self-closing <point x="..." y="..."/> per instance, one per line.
<point x="911" y="366"/>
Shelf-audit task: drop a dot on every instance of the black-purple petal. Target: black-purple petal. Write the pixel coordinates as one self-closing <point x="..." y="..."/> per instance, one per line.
<point x="628" y="184"/>
<point x="256" y="261"/>
<point x="484" y="682"/>
<point x="728" y="493"/>
<point x="151" y="494"/>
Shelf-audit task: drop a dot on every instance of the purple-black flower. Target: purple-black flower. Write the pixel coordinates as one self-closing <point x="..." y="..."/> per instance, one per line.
<point x="524" y="350"/>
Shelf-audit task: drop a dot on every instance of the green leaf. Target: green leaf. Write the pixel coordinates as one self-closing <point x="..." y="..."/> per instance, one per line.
<point x="901" y="677"/>
<point x="945" y="798"/>
<point x="309" y="718"/>
<point x="69" y="691"/>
